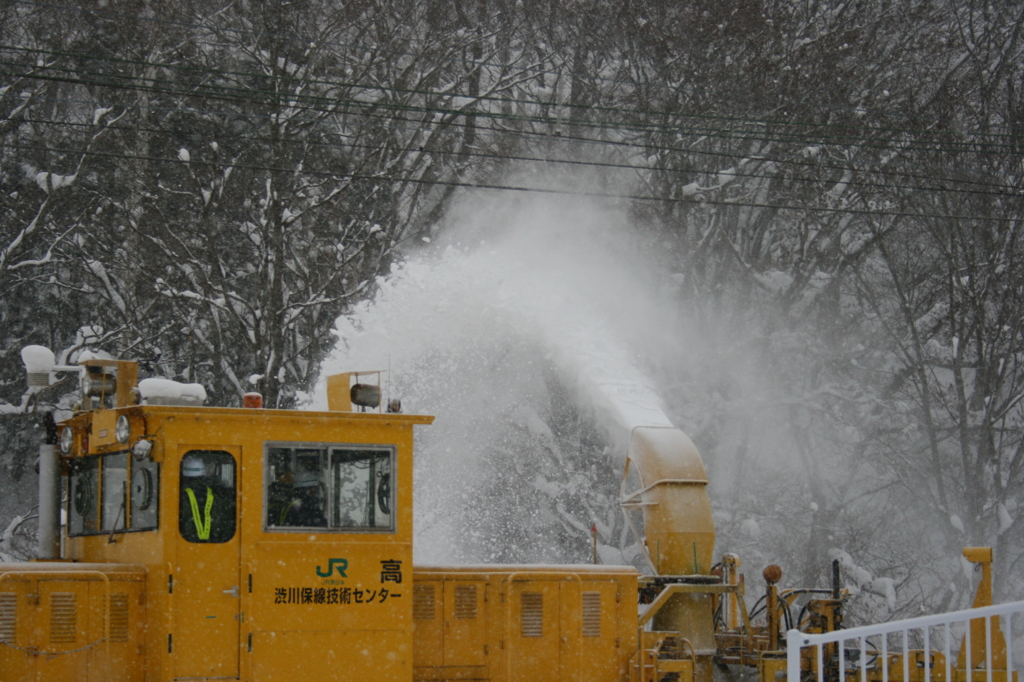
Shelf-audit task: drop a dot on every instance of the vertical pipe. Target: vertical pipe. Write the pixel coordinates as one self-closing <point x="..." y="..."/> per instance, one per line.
<point x="841" y="673"/>
<point x="772" y="610"/>
<point x="906" y="655"/>
<point x="885" y="658"/>
<point x="679" y="529"/>
<point x="927" y="654"/>
<point x="967" y="648"/>
<point x="1009" y="649"/>
<point x="730" y="567"/>
<point x="864" y="660"/>
<point x="988" y="647"/>
<point x="948" y="654"/>
<point x="49" y="492"/>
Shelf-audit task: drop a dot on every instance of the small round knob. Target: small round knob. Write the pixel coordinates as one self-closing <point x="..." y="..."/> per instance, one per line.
<point x="772" y="574"/>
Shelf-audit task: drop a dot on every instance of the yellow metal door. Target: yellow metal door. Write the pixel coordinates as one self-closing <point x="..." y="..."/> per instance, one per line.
<point x="465" y="625"/>
<point x="18" y="629"/>
<point x="428" y="623"/>
<point x="598" y="644"/>
<point x="205" y="586"/>
<point x="67" y="628"/>
<point x="535" y="631"/>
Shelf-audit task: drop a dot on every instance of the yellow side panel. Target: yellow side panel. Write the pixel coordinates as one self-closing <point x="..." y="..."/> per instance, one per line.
<point x="103" y="424"/>
<point x="535" y="638"/>
<point x="428" y="623"/>
<point x="56" y="626"/>
<point x="295" y="588"/>
<point x="599" y="641"/>
<point x="465" y="624"/>
<point x="62" y="627"/>
<point x="344" y="655"/>
<point x="531" y="624"/>
<point x="127" y="621"/>
<point x="17" y="629"/>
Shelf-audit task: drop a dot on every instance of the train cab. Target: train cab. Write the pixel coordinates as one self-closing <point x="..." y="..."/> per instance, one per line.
<point x="212" y="543"/>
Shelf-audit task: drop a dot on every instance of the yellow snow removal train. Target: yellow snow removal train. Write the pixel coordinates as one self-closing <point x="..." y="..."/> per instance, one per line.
<point x="205" y="543"/>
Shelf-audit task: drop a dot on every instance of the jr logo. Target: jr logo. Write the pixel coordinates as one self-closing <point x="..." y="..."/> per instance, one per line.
<point x="340" y="564"/>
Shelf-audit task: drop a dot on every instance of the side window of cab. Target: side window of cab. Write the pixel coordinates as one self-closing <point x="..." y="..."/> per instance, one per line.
<point x="337" y="488"/>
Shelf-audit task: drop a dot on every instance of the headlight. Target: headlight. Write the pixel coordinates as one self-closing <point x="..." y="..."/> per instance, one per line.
<point x="123" y="430"/>
<point x="67" y="440"/>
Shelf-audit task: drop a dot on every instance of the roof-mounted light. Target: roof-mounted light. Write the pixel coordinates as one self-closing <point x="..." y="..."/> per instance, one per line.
<point x="97" y="383"/>
<point x="39" y="363"/>
<point x="365" y="395"/>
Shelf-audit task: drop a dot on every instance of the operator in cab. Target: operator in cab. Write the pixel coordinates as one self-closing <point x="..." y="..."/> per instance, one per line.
<point x="207" y="500"/>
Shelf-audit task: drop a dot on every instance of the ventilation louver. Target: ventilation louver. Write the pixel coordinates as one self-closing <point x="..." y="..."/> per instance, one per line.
<point x="465" y="601"/>
<point x="63" y="617"/>
<point x="531" y="617"/>
<point x="8" y="617"/>
<point x="423" y="602"/>
<point x="119" y="618"/>
<point x="591" y="614"/>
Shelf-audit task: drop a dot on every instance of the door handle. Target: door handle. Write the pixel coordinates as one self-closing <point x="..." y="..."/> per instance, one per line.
<point x="233" y="591"/>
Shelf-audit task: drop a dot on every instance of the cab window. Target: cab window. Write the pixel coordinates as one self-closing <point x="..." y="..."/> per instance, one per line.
<point x="112" y="493"/>
<point x="144" y="495"/>
<point x="206" y="508"/>
<point x="84" y="496"/>
<point x="327" y="487"/>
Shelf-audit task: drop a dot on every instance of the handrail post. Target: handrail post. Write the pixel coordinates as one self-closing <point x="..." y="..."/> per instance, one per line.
<point x="794" y="642"/>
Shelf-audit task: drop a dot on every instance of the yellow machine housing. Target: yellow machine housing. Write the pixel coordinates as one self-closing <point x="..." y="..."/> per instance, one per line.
<point x="72" y="621"/>
<point x="521" y="624"/>
<point x="208" y="543"/>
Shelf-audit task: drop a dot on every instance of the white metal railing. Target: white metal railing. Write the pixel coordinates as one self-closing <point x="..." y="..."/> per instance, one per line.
<point x="957" y="625"/>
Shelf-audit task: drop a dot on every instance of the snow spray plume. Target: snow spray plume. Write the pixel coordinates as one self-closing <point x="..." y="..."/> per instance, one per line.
<point x="520" y="296"/>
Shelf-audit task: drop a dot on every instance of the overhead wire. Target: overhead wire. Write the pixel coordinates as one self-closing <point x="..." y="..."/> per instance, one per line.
<point x="647" y="113"/>
<point x="811" y="142"/>
<point x="765" y="158"/>
<point x="243" y="93"/>
<point x="728" y="135"/>
<point x="733" y="173"/>
<point x="847" y="210"/>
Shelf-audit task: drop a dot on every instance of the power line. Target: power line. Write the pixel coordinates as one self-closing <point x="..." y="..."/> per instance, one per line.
<point x="652" y="113"/>
<point x="543" y="190"/>
<point x="571" y="162"/>
<point x="726" y="135"/>
<point x="242" y="93"/>
<point x="789" y="160"/>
